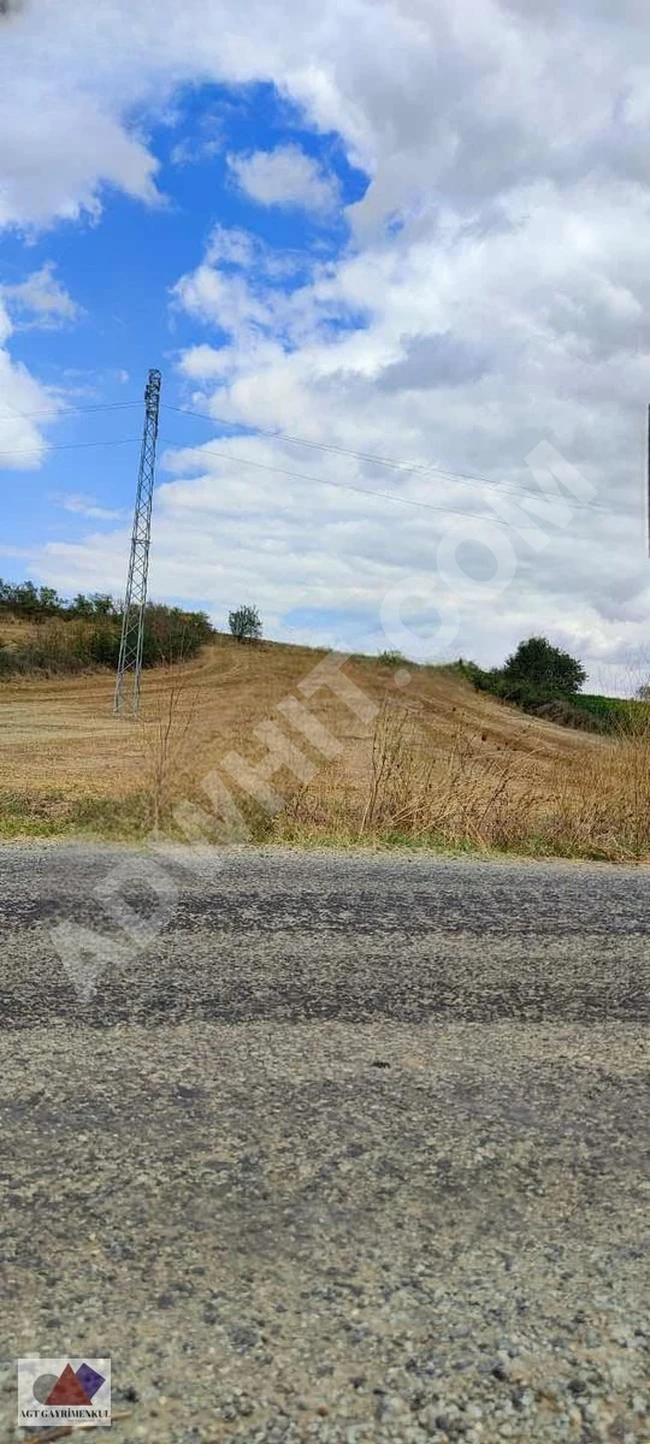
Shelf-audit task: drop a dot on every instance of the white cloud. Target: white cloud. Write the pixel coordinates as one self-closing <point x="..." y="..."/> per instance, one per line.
<point x="58" y="150"/>
<point x="477" y="343"/>
<point x="285" y="176"/>
<point x="23" y="405"/>
<point x="87" y="506"/>
<point x="202" y="145"/>
<point x="189" y="152"/>
<point x="203" y="362"/>
<point x="41" y="298"/>
<point x="459" y="101"/>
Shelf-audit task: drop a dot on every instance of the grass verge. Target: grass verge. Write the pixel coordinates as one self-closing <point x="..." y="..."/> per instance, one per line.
<point x="54" y="815"/>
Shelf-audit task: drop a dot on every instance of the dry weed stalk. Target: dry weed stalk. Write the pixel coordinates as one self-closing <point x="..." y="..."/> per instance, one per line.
<point x="387" y="758"/>
<point x="416" y="790"/>
<point x="166" y="739"/>
<point x="463" y="796"/>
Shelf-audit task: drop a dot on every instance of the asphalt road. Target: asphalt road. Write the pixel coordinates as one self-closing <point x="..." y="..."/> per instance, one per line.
<point x="329" y="1147"/>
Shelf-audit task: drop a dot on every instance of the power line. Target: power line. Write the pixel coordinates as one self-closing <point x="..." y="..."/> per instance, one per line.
<point x="320" y="480"/>
<point x="68" y="446"/>
<point x="424" y="468"/>
<point x="69" y="411"/>
<point x="464" y="478"/>
<point x="362" y="490"/>
<point x="397" y="465"/>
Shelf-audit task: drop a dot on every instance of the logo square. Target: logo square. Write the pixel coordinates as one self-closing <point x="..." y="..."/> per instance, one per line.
<point x="54" y="1392"/>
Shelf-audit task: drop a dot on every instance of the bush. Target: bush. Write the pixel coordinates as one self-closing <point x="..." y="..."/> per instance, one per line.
<point x="245" y="624"/>
<point x="171" y="635"/>
<point x="77" y="645"/>
<point x="581" y="710"/>
<point x="611" y="714"/>
<point x="565" y="714"/>
<point x="538" y="664"/>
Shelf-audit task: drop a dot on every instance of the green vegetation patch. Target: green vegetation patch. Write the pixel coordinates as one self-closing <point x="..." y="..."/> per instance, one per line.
<point x="84" y="635"/>
<point x="545" y="681"/>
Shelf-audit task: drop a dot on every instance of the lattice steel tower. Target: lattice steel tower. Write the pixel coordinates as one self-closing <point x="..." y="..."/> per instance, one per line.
<point x="129" y="667"/>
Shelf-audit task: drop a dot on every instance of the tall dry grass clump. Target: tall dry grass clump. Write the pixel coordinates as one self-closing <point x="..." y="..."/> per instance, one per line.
<point x="593" y="804"/>
<point x="417" y="791"/>
<point x="601" y="806"/>
<point x="458" y="795"/>
<point x="167" y="742"/>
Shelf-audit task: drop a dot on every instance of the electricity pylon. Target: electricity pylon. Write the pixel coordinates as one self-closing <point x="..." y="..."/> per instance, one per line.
<point x="129" y="667"/>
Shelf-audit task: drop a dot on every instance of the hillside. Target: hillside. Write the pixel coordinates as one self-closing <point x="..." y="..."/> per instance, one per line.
<point x="439" y="763"/>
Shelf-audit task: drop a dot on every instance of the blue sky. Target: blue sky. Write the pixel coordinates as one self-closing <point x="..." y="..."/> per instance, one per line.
<point x="382" y="249"/>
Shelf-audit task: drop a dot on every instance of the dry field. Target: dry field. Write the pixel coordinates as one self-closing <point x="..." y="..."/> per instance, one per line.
<point x="439" y="763"/>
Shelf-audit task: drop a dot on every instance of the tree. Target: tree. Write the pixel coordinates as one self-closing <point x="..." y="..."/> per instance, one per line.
<point x="245" y="624"/>
<point x="49" y="601"/>
<point x="543" y="666"/>
<point x="102" y="604"/>
<point x="81" y="606"/>
<point x="25" y="601"/>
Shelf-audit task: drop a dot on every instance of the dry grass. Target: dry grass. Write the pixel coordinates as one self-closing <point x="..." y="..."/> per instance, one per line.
<point x="440" y="765"/>
<point x="15" y="630"/>
<point x="167" y="738"/>
<point x="592" y="801"/>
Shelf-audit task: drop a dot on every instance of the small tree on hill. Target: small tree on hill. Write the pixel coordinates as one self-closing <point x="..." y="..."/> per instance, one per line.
<point x="103" y="604"/>
<point x="81" y="606"/>
<point x="245" y="624"/>
<point x="541" y="665"/>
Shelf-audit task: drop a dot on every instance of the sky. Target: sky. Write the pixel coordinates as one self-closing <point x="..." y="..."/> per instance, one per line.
<point x="387" y="254"/>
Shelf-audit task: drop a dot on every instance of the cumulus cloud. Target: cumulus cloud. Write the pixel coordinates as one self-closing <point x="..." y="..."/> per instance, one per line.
<point x="56" y="153"/>
<point x="285" y="176"/>
<point x="436" y="360"/>
<point x="457" y="102"/>
<point x="477" y="343"/>
<point x="24" y="403"/>
<point x="251" y="292"/>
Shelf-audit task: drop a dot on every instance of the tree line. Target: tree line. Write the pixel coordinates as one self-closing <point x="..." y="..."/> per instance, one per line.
<point x="84" y="634"/>
<point x="39" y="604"/>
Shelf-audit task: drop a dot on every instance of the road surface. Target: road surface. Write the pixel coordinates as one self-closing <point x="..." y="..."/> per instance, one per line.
<point x="333" y="1148"/>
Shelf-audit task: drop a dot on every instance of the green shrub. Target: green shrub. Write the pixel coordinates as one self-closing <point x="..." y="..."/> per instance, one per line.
<point x="537" y="663"/>
<point x="78" y="645"/>
<point x="611" y="714"/>
<point x="245" y="624"/>
<point x="581" y="710"/>
<point x="565" y="714"/>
